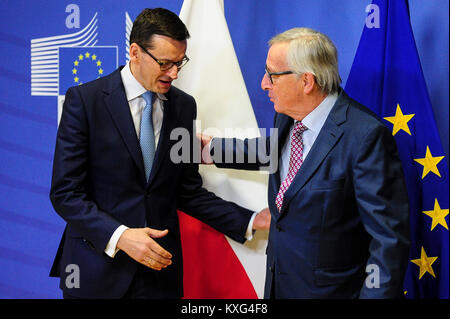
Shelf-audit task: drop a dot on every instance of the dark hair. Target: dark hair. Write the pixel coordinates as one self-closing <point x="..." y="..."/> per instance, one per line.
<point x="157" y="21"/>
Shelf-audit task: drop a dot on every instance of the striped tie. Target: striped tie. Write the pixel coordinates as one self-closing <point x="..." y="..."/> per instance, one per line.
<point x="147" y="135"/>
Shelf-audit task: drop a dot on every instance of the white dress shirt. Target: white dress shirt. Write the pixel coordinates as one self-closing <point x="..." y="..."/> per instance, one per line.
<point x="314" y="122"/>
<point x="134" y="91"/>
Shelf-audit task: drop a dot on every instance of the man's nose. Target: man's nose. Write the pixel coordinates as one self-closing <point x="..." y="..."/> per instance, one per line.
<point x="173" y="72"/>
<point x="265" y="83"/>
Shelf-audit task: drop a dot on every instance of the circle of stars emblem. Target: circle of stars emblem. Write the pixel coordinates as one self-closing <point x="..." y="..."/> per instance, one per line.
<point x="86" y="57"/>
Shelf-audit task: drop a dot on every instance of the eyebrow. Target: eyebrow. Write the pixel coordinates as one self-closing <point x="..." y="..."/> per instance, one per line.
<point x="270" y="68"/>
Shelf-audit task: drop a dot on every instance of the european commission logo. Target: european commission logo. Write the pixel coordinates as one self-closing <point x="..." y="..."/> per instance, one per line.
<point x="78" y="65"/>
<point x="60" y="62"/>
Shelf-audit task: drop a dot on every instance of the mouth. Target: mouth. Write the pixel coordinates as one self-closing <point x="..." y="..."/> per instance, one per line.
<point x="165" y="84"/>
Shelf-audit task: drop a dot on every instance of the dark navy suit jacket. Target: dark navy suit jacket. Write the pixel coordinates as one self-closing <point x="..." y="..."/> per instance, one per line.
<point x="345" y="210"/>
<point x="99" y="183"/>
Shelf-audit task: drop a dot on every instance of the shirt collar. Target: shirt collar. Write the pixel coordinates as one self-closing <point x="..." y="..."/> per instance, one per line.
<point x="315" y="120"/>
<point x="133" y="88"/>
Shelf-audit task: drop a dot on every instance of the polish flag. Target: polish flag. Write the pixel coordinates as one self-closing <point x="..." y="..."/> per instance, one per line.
<point x="215" y="266"/>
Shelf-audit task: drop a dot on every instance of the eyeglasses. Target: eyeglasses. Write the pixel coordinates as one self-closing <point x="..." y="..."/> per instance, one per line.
<point x="167" y="65"/>
<point x="270" y="74"/>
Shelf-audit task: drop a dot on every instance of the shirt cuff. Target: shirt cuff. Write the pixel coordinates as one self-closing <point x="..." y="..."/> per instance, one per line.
<point x="111" y="248"/>
<point x="250" y="232"/>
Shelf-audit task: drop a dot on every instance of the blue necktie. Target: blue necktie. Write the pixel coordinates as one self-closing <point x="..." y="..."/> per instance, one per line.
<point x="147" y="135"/>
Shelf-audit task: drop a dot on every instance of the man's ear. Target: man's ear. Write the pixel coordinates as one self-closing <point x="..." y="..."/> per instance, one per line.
<point x="309" y="82"/>
<point x="134" y="52"/>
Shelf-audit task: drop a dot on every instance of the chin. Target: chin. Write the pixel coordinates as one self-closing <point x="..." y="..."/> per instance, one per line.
<point x="163" y="90"/>
<point x="276" y="108"/>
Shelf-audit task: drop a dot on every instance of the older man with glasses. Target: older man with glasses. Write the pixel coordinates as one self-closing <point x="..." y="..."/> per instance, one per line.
<point x="338" y="199"/>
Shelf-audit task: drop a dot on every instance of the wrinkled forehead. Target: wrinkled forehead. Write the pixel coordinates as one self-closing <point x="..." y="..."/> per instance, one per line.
<point x="276" y="56"/>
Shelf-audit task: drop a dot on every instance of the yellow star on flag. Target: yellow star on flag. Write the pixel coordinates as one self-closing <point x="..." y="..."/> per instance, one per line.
<point x="74" y="71"/>
<point x="87" y="55"/>
<point x="100" y="71"/>
<point x="438" y="215"/>
<point x="99" y="63"/>
<point x="94" y="57"/>
<point x="76" y="62"/>
<point x="425" y="263"/>
<point x="400" y="121"/>
<point x="429" y="163"/>
<point x="76" y="79"/>
<point x="80" y="57"/>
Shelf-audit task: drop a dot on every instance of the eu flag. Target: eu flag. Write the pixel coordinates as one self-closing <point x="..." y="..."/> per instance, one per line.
<point x="78" y="65"/>
<point x="387" y="77"/>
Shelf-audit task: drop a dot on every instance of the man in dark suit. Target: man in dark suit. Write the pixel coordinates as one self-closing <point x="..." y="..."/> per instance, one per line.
<point x="336" y="190"/>
<point x="114" y="182"/>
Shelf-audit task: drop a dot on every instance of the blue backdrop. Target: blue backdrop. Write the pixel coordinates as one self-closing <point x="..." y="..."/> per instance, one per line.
<point x="29" y="228"/>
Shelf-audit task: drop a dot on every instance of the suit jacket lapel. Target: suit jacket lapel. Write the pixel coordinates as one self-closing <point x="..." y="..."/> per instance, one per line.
<point x="283" y="123"/>
<point x="117" y="105"/>
<point x="329" y="135"/>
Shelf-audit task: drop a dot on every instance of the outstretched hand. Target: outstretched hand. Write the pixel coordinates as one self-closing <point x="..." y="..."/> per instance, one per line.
<point x="204" y="142"/>
<point x="262" y="220"/>
<point x="138" y="243"/>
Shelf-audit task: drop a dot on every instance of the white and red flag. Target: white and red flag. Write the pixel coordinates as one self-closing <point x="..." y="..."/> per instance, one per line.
<point x="214" y="265"/>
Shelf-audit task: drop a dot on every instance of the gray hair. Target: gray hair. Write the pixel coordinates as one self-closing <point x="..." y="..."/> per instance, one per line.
<point x="313" y="52"/>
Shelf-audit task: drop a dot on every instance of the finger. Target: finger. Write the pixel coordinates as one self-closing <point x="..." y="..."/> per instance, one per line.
<point x="158" y="250"/>
<point x="160" y="259"/>
<point x="206" y="155"/>
<point x="150" y="263"/>
<point x="155" y="263"/>
<point x="206" y="139"/>
<point x="155" y="233"/>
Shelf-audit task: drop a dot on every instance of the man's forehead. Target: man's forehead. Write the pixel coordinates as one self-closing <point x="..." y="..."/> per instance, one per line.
<point x="156" y="39"/>
<point x="168" y="47"/>
<point x="278" y="48"/>
<point x="277" y="54"/>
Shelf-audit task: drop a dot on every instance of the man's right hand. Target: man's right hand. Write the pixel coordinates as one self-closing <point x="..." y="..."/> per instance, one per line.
<point x="139" y="245"/>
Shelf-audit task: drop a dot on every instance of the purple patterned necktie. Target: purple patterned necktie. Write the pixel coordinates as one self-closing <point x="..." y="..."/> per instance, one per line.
<point x="295" y="161"/>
